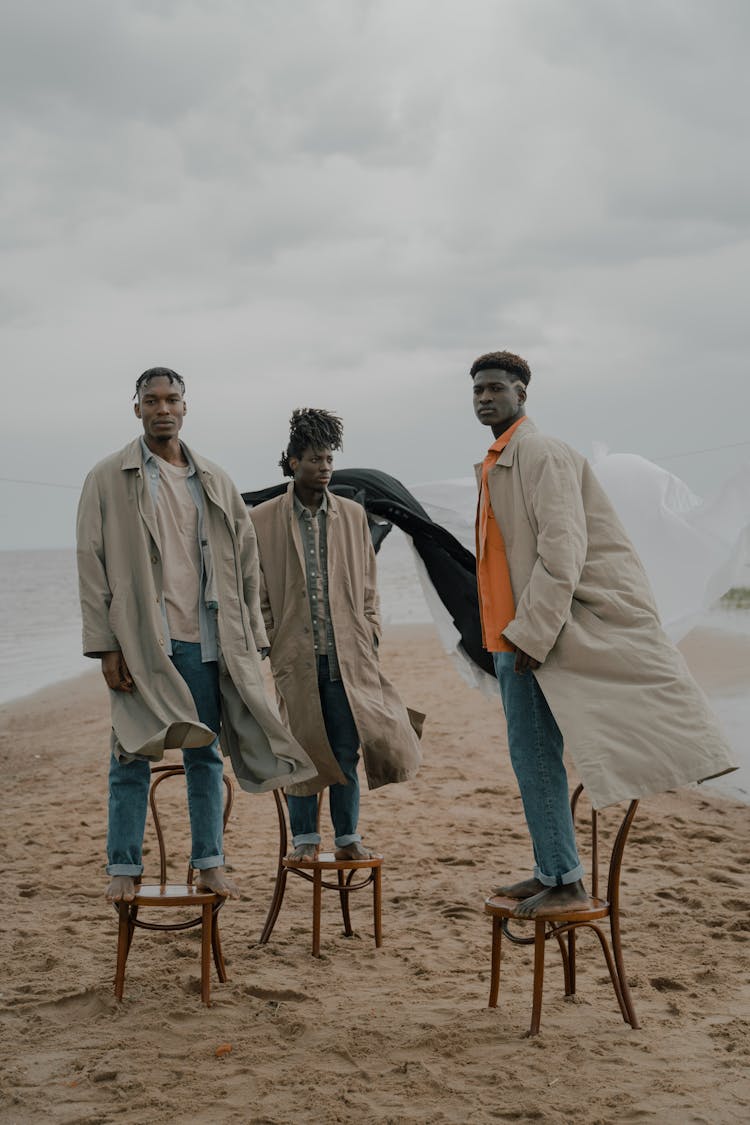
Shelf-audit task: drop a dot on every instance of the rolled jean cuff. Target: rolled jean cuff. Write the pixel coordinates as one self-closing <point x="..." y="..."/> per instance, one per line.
<point x="345" y="841"/>
<point x="132" y="869"/>
<point x="306" y="838"/>
<point x="209" y="861"/>
<point x="571" y="876"/>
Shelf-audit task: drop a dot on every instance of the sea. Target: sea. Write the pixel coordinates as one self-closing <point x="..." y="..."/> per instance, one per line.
<point x="40" y="642"/>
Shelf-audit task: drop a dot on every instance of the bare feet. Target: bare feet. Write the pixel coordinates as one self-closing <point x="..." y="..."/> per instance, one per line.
<point x="357" y="850"/>
<point x="121" y="889"/>
<point x="216" y="879"/>
<point x="304" y="853"/>
<point x="525" y="889"/>
<point x="553" y="900"/>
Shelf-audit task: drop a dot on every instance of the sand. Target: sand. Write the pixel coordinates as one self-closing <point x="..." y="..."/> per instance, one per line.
<point x="400" y="1034"/>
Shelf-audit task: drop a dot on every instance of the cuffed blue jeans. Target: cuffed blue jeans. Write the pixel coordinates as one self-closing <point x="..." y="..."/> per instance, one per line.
<point x="536" y="754"/>
<point x="129" y="780"/>
<point x="343" y="799"/>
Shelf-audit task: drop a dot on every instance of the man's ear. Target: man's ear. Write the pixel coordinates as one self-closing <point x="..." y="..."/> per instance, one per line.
<point x="184" y="407"/>
<point x="137" y="408"/>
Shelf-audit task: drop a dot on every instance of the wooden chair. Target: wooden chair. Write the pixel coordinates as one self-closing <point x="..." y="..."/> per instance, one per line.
<point x="347" y="881"/>
<point x="502" y="910"/>
<point x="168" y="895"/>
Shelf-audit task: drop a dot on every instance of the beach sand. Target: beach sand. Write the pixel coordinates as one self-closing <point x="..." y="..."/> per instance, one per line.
<point x="400" y="1034"/>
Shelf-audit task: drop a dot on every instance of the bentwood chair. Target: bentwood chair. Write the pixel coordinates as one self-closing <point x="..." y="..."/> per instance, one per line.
<point x="567" y="923"/>
<point x="166" y="895"/>
<point x="351" y="875"/>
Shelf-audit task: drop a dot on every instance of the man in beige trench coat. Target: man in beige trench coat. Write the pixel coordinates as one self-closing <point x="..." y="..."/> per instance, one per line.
<point x="321" y="611"/>
<point x="579" y="653"/>
<point x="169" y="586"/>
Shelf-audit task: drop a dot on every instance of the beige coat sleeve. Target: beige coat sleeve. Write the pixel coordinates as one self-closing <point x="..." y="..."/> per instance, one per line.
<point x="251" y="578"/>
<point x="372" y="598"/>
<point x="93" y="584"/>
<point x="553" y="492"/>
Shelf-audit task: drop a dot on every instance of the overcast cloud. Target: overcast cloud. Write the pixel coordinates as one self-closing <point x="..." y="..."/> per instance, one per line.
<point x="341" y="203"/>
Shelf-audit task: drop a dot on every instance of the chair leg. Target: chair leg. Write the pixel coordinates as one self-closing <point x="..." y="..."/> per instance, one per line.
<point x="221" y="969"/>
<point x="497" y="938"/>
<point x="276" y="901"/>
<point x="317" y="896"/>
<point x="206" y="935"/>
<point x="565" y="960"/>
<point x="536" y="1007"/>
<point x="124" y="937"/>
<point x="377" y="906"/>
<point x="572" y="961"/>
<point x="627" y="1000"/>
<point x="344" y="896"/>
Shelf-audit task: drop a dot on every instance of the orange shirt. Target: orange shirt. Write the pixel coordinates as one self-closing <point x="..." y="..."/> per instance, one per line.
<point x="496" y="605"/>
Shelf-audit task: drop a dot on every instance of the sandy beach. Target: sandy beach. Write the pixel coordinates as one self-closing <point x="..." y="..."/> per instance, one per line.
<point x="400" y="1034"/>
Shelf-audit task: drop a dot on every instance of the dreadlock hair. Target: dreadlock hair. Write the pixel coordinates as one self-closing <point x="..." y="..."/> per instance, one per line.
<point x="311" y="429"/>
<point x="505" y="361"/>
<point x="158" y="373"/>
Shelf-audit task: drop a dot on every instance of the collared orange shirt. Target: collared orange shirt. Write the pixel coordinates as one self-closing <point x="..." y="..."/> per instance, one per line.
<point x="496" y="605"/>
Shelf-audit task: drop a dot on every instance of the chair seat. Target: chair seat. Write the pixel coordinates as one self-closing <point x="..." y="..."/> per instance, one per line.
<point x="503" y="907"/>
<point x="173" y="894"/>
<point x="328" y="862"/>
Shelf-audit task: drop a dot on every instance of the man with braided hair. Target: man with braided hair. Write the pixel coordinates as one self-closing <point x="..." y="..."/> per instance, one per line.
<point x="169" y="585"/>
<point x="320" y="607"/>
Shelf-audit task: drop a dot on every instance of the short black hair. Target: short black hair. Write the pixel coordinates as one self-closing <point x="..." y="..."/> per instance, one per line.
<point x="504" y="361"/>
<point x="311" y="429"/>
<point x="158" y="373"/>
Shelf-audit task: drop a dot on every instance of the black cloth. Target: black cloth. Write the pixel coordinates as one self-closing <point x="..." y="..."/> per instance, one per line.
<point x="450" y="566"/>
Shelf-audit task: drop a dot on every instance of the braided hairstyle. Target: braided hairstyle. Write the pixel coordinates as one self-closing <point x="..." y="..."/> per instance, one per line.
<point x="157" y="373"/>
<point x="311" y="429"/>
<point x="504" y="361"/>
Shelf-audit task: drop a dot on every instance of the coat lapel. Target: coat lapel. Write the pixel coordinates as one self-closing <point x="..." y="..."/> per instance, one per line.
<point x="132" y="461"/>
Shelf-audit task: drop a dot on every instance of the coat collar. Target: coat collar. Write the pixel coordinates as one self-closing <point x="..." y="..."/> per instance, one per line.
<point x="508" y="455"/>
<point x="332" y="504"/>
<point x="132" y="458"/>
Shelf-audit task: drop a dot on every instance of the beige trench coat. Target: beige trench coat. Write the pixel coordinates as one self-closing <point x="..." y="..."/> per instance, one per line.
<point x="630" y="713"/>
<point x="120" y="582"/>
<point x="390" y="748"/>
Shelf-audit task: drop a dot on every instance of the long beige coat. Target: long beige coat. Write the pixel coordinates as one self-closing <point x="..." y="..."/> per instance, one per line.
<point x="390" y="749"/>
<point x="120" y="581"/>
<point x="630" y="713"/>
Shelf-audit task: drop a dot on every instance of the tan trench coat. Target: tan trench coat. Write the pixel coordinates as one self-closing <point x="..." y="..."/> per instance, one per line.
<point x="120" y="581"/>
<point x="390" y="749"/>
<point x="630" y="713"/>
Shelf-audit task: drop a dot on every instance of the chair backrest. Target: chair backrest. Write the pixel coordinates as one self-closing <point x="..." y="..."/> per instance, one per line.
<point x="160" y="774"/>
<point x="616" y="854"/>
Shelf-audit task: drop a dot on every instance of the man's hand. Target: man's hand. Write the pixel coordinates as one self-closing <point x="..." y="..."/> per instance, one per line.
<point x="115" y="672"/>
<point x="525" y="663"/>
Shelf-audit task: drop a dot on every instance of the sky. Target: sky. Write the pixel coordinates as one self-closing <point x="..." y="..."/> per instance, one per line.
<point x="341" y="203"/>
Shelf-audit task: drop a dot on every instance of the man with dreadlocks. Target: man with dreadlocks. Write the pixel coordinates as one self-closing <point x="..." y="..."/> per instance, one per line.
<point x="169" y="585"/>
<point x="320" y="606"/>
<point x="579" y="653"/>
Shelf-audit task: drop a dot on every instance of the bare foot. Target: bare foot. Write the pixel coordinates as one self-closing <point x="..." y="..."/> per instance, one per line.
<point x="525" y="889"/>
<point x="121" y="889"/>
<point x="216" y="879"/>
<point x="304" y="853"/>
<point x="553" y="900"/>
<point x="357" y="850"/>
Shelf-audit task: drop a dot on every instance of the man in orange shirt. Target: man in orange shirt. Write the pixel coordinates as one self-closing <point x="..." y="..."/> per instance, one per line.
<point x="579" y="653"/>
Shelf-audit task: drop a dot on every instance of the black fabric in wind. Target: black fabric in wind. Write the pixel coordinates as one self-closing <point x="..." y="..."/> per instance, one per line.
<point x="451" y="568"/>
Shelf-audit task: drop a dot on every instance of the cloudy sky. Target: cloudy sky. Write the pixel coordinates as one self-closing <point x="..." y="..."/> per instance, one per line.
<point x="341" y="203"/>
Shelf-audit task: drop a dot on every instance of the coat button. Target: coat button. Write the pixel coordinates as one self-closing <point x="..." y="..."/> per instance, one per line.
<point x="154" y="558"/>
<point x="161" y="641"/>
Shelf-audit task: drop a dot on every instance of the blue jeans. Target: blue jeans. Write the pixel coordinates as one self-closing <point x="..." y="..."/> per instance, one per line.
<point x="536" y="753"/>
<point x="343" y="799"/>
<point x="129" y="781"/>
